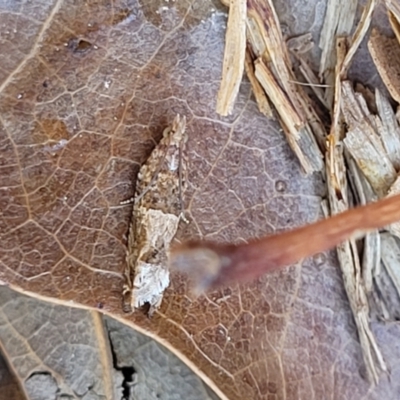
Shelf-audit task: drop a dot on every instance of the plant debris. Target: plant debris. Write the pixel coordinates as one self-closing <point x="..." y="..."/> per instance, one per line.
<point x="361" y="149"/>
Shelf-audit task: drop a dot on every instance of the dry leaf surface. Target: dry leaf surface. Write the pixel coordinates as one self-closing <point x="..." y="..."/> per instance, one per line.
<point x="8" y="382"/>
<point x="57" y="351"/>
<point x="54" y="349"/>
<point x="86" y="92"/>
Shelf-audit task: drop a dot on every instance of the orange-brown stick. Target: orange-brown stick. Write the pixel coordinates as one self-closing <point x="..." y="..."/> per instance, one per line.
<point x="210" y="264"/>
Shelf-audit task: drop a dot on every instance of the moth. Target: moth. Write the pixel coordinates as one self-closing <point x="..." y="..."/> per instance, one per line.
<point x="157" y="211"/>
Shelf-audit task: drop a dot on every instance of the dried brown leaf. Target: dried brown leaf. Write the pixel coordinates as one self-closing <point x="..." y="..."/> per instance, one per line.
<point x="76" y="124"/>
<point x="393" y="8"/>
<point x="385" y="52"/>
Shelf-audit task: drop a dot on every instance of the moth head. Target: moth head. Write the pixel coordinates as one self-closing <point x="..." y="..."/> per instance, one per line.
<point x="178" y="130"/>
